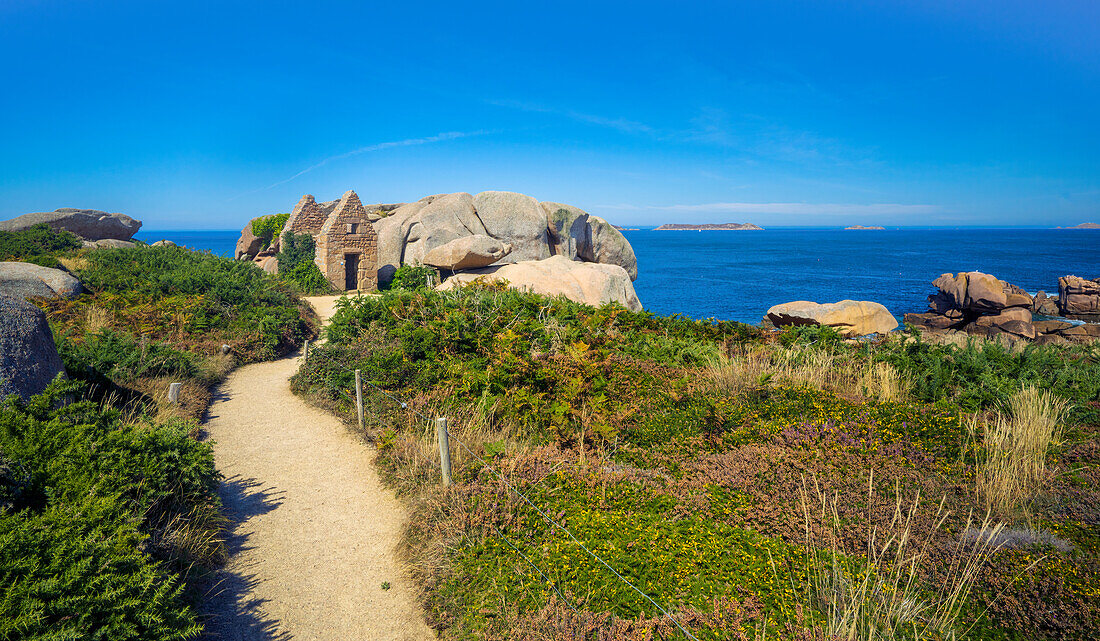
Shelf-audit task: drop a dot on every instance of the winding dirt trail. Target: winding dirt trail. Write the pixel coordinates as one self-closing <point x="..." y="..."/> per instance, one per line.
<point x="313" y="530"/>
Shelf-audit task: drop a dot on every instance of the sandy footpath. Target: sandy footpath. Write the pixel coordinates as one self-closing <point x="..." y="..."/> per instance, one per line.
<point x="313" y="530"/>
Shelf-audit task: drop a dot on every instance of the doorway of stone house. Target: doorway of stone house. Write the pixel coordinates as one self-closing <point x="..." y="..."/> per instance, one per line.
<point x="351" y="271"/>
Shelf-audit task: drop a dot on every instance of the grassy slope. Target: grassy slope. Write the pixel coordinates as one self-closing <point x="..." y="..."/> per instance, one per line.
<point x="680" y="452"/>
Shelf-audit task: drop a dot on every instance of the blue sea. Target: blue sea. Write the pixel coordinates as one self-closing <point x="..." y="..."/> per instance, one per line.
<point x="733" y="275"/>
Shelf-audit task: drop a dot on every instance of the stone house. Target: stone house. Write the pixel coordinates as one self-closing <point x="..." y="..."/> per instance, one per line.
<point x="344" y="237"/>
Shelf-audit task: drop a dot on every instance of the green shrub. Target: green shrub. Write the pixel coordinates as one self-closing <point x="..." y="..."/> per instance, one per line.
<point x="39" y="241"/>
<point x="179" y="294"/>
<point x="74" y="555"/>
<point x="296" y="265"/>
<point x="413" y="277"/>
<point x="268" y="227"/>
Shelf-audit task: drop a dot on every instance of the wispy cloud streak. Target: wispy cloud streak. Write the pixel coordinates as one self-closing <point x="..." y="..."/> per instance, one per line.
<point x="408" y="142"/>
<point x="877" y="209"/>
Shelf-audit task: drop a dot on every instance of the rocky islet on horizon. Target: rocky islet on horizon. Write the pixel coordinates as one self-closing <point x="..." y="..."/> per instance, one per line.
<point x="709" y="227"/>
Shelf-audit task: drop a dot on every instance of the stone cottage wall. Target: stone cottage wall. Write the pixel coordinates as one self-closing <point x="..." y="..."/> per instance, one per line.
<point x="307" y="217"/>
<point x="348" y="230"/>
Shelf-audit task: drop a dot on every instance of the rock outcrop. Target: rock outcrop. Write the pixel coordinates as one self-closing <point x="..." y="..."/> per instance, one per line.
<point x="848" y="317"/>
<point x="27" y="280"/>
<point x="1079" y="297"/>
<point x="89" y="224"/>
<point x="28" y="356"/>
<point x="249" y="244"/>
<point x="981" y="305"/>
<point x="535" y="231"/>
<point x="470" y="252"/>
<point x="109" y="243"/>
<point x="589" y="283"/>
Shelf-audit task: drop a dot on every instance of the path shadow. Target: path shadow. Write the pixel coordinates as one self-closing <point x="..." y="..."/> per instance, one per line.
<point x="230" y="611"/>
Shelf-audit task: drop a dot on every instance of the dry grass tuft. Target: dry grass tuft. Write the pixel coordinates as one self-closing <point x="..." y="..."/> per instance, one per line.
<point x="73" y="264"/>
<point x="881" y="597"/>
<point x="96" y="319"/>
<point x="844" y="373"/>
<point x="1016" y="448"/>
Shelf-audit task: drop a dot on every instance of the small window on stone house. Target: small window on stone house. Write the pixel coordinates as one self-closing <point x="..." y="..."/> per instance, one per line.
<point x="352" y="228"/>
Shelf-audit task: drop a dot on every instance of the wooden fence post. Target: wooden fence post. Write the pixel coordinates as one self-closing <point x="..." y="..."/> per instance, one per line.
<point x="359" y="397"/>
<point x="444" y="449"/>
<point x="174" y="392"/>
<point x="305" y="350"/>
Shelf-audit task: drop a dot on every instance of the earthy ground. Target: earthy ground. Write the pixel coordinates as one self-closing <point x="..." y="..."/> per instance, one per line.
<point x="313" y="530"/>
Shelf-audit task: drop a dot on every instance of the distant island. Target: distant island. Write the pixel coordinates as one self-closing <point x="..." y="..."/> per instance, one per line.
<point x="621" y="228"/>
<point x="861" y="227"/>
<point x="1083" y="226"/>
<point x="710" y="226"/>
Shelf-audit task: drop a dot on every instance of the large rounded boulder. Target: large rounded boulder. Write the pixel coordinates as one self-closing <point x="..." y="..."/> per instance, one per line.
<point x="517" y="220"/>
<point x="470" y="252"/>
<point x="89" y="224"/>
<point x="28" y="356"/>
<point x="27" y="280"/>
<point x="578" y="235"/>
<point x="848" y="317"/>
<point x="590" y="283"/>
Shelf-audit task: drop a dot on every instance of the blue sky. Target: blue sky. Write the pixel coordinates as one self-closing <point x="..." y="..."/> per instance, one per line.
<point x="201" y="115"/>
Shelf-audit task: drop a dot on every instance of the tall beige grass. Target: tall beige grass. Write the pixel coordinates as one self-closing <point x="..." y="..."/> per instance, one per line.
<point x="844" y="373"/>
<point x="1016" y="448"/>
<point x="97" y="319"/>
<point x="882" y="597"/>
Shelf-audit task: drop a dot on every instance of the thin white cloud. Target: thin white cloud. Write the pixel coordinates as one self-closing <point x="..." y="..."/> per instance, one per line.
<point x="876" y="209"/>
<point x="619" y="124"/>
<point x="408" y="142"/>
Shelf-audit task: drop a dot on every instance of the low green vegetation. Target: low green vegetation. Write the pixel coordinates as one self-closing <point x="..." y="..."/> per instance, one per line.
<point x="296" y="266"/>
<point x="109" y="520"/>
<point x="101" y="521"/>
<point x="39" y="245"/>
<point x="412" y="277"/>
<point x="268" y="227"/>
<point x="748" y="482"/>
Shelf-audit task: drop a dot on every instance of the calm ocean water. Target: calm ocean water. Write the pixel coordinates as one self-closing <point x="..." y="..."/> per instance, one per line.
<point x="739" y="275"/>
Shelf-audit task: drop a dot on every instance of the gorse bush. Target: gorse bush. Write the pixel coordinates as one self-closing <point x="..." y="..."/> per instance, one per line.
<point x="269" y="227"/>
<point x="85" y="492"/>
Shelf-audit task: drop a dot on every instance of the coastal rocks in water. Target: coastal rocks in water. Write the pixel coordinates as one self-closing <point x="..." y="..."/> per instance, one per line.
<point x="1044" y="305"/>
<point x="967" y="295"/>
<point x="89" y="224"/>
<point x="27" y="280"/>
<point x="589" y="283"/>
<point x="1079" y="297"/>
<point x="469" y="252"/>
<point x="28" y="356"/>
<point x="849" y="317"/>
<point x="981" y="305"/>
